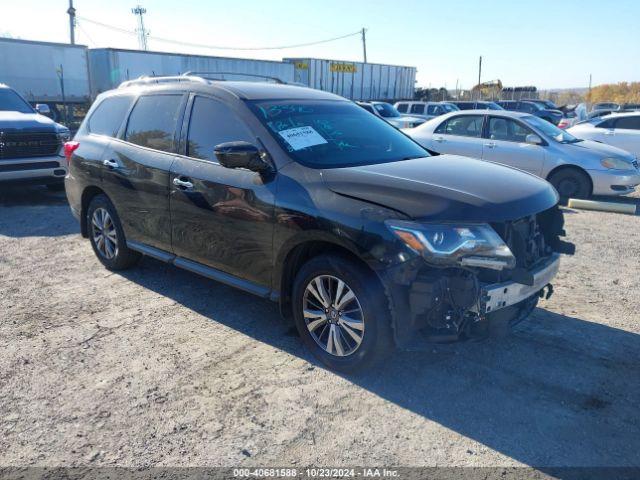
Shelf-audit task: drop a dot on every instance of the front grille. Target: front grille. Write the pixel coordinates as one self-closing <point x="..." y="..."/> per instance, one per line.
<point x="28" y="145"/>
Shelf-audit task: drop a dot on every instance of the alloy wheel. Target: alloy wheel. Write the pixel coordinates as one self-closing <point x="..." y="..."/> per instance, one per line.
<point x="333" y="315"/>
<point x="104" y="233"/>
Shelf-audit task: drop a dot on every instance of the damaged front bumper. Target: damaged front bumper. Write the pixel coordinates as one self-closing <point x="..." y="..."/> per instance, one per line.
<point x="452" y="304"/>
<point x="501" y="295"/>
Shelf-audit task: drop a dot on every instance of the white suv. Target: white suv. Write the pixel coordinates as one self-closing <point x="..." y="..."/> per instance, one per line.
<point x="427" y="110"/>
<point x="30" y="143"/>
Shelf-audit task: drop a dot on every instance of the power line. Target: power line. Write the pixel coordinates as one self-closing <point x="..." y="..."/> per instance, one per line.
<point x="218" y="47"/>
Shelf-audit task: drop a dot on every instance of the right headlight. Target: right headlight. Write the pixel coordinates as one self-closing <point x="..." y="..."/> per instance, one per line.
<point x="476" y="245"/>
<point x="616" y="163"/>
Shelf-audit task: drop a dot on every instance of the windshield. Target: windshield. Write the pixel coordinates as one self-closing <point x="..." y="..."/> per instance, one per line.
<point x="386" y="110"/>
<point x="332" y="134"/>
<point x="550" y="130"/>
<point x="10" y="101"/>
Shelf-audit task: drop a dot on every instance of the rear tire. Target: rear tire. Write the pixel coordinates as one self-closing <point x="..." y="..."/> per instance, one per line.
<point x="571" y="183"/>
<point x="107" y="237"/>
<point x="342" y="313"/>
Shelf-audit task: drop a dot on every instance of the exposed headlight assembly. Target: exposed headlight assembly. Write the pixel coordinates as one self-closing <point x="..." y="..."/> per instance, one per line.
<point x="474" y="245"/>
<point x="616" y="163"/>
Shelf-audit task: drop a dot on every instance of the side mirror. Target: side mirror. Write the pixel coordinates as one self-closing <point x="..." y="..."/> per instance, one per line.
<point x="533" y="139"/>
<point x="43" y="109"/>
<point x="241" y="155"/>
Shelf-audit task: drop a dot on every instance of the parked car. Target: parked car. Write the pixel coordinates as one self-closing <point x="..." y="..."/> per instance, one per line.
<point x="426" y="110"/>
<point x="479" y="105"/>
<point x="544" y="103"/>
<point x="621" y="130"/>
<point x="576" y="168"/>
<point x="391" y="115"/>
<point x="605" y="106"/>
<point x="534" y="108"/>
<point x="30" y="143"/>
<point x="300" y="196"/>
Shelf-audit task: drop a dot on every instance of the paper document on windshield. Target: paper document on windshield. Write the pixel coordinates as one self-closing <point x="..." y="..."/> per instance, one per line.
<point x="302" y="137"/>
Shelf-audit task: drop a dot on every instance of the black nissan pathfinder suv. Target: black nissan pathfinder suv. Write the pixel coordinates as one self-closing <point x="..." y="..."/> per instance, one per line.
<point x="302" y="197"/>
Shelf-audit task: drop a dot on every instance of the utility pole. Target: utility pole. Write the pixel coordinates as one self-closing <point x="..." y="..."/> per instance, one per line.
<point x="457" y="95"/>
<point x="479" y="76"/>
<point x="72" y="22"/>
<point x="364" y="44"/>
<point x="139" y="11"/>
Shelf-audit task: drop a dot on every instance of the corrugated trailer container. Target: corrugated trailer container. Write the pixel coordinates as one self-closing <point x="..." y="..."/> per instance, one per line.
<point x="109" y="66"/>
<point x="356" y="80"/>
<point x="32" y="68"/>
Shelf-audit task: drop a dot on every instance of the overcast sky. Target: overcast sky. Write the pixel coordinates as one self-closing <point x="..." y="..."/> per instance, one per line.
<point x="550" y="44"/>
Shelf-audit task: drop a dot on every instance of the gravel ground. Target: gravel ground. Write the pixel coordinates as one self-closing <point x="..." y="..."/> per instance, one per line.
<point x="157" y="366"/>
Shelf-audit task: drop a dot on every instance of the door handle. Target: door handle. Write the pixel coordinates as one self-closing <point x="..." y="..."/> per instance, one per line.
<point x="490" y="145"/>
<point x="184" y="184"/>
<point x="609" y="132"/>
<point x="439" y="139"/>
<point x="111" y="164"/>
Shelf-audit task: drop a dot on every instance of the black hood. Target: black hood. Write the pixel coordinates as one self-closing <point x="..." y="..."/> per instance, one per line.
<point x="446" y="187"/>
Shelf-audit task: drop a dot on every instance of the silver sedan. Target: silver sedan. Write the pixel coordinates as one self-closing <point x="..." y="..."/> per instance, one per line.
<point x="576" y="168"/>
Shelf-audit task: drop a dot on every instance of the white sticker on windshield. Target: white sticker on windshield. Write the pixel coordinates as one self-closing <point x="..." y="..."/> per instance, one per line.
<point x="302" y="137"/>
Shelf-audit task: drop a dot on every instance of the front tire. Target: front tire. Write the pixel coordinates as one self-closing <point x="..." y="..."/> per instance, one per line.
<point x="341" y="313"/>
<point x="107" y="237"/>
<point x="571" y="183"/>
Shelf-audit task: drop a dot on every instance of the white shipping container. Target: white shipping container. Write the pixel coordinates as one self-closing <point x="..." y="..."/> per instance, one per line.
<point x="109" y="67"/>
<point x="33" y="69"/>
<point x="356" y="80"/>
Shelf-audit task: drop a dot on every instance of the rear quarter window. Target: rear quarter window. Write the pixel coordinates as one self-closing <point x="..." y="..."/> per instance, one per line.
<point x="109" y="115"/>
<point x="402" y="107"/>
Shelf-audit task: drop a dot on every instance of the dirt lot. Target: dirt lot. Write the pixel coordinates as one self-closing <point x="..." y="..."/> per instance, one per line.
<point x="157" y="366"/>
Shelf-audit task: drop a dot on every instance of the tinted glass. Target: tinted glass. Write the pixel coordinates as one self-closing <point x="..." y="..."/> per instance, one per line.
<point x="109" y="115"/>
<point x="402" y="107"/>
<point x="386" y="110"/>
<point x="417" y="108"/>
<point x="153" y="121"/>
<point x="329" y="134"/>
<point x="10" y="101"/>
<point x="465" y="106"/>
<point x="463" y="125"/>
<point x="213" y="123"/>
<point x="368" y="108"/>
<point x="629" y="123"/>
<point x="507" y="130"/>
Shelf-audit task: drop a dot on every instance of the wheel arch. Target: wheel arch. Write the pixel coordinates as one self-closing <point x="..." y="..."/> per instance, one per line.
<point x="87" y="195"/>
<point x="303" y="251"/>
<point x="574" y="168"/>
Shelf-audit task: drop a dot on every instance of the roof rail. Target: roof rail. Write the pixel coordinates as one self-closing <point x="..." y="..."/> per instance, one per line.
<point x="206" y="75"/>
<point x="146" y="80"/>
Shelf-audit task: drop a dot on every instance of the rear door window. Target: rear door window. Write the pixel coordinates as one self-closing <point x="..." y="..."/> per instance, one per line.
<point x="211" y="124"/>
<point x="153" y="122"/>
<point x="417" y="108"/>
<point x="462" y="125"/>
<point x="109" y="115"/>
<point x="402" y="107"/>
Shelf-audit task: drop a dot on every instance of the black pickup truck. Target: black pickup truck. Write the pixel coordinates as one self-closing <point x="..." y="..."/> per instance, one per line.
<point x="30" y="143"/>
